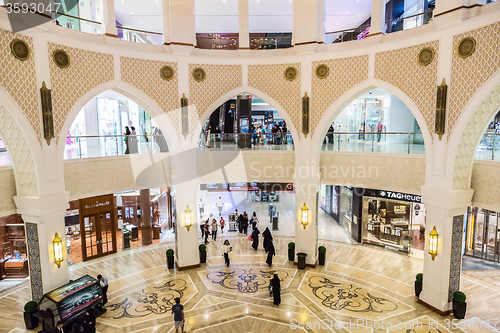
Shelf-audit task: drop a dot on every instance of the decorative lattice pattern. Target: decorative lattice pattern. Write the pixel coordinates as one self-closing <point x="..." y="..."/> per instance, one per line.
<point x="401" y="69"/>
<point x="145" y="75"/>
<point x="484" y="174"/>
<point x="86" y="71"/>
<point x="219" y="80"/>
<point x="343" y="75"/>
<point x="22" y="160"/>
<point x="270" y="79"/>
<point x="470" y="139"/>
<point x="469" y="74"/>
<point x="19" y="80"/>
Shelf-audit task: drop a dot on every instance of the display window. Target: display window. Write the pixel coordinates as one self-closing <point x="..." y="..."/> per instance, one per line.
<point x="345" y="217"/>
<point x="13" y="252"/>
<point x="482" y="234"/>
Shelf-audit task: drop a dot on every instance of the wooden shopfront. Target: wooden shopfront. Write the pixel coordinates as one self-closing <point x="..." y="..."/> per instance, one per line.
<point x="98" y="225"/>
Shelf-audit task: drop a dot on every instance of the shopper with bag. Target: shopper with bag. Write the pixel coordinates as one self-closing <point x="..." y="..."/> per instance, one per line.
<point x="227" y="252"/>
<point x="254" y="220"/>
<point x="222" y="224"/>
<point x="255" y="238"/>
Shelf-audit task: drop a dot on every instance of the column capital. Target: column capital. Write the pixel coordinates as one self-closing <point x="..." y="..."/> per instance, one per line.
<point x="445" y="198"/>
<point x="43" y="205"/>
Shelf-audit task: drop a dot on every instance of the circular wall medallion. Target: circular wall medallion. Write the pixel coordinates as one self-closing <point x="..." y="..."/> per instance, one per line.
<point x="290" y="73"/>
<point x="20" y="49"/>
<point x="466" y="47"/>
<point x="167" y="73"/>
<point x="199" y="74"/>
<point x="61" y="58"/>
<point x="322" y="71"/>
<point x="425" y="56"/>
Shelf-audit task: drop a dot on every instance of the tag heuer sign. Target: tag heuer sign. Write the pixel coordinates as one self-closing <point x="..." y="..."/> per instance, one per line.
<point x="400" y="196"/>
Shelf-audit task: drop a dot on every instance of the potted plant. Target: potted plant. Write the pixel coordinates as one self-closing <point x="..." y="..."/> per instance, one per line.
<point x="170" y="258"/>
<point x="30" y="320"/>
<point x="459" y="304"/>
<point x="322" y="255"/>
<point x="291" y="251"/>
<point x="203" y="253"/>
<point x="418" y="284"/>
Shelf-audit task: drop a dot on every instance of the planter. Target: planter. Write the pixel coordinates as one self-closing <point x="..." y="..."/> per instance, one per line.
<point x="203" y="257"/>
<point x="321" y="258"/>
<point x="302" y="260"/>
<point x="291" y="254"/>
<point x="418" y="288"/>
<point x="30" y="320"/>
<point x="170" y="262"/>
<point x="459" y="309"/>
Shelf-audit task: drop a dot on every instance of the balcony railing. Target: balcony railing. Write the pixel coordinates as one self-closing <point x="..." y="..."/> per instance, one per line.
<point x="250" y="141"/>
<point x="375" y="142"/>
<point x="140" y="36"/>
<point x="113" y="145"/>
<point x="412" y="21"/>
<point x="347" y="34"/>
<point x="489" y="147"/>
<point x="271" y="42"/>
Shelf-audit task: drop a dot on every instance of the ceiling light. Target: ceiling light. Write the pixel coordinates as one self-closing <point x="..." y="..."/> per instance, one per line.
<point x="347" y="12"/>
<point x="338" y="21"/>
<point x="142" y="22"/>
<point x="132" y="13"/>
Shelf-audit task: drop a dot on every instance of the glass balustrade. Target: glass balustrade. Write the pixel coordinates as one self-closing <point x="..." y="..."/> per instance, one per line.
<point x="245" y="141"/>
<point x="375" y="142"/>
<point x="489" y="147"/>
<point x="140" y="36"/>
<point x="113" y="145"/>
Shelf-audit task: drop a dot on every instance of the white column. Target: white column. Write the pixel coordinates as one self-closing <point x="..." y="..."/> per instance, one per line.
<point x="244" y="37"/>
<point x="185" y="183"/>
<point x="182" y="23"/>
<point x="308" y="18"/>
<point x="47" y="213"/>
<point x="378" y="18"/>
<point x="108" y="18"/>
<point x="167" y="38"/>
<point x="442" y="207"/>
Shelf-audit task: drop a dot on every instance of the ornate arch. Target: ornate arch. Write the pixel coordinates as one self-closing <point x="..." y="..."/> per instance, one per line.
<point x="135" y="94"/>
<point x="334" y="110"/>
<point x="469" y="130"/>
<point x="19" y="138"/>
<point x="238" y="91"/>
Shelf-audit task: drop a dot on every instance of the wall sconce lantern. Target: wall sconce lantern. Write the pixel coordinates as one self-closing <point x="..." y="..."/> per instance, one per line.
<point x="305" y="212"/>
<point x="442" y="92"/>
<point x="58" y="254"/>
<point x="48" y="121"/>
<point x="184" y="115"/>
<point x="433" y="243"/>
<point x="305" y="115"/>
<point x="187" y="217"/>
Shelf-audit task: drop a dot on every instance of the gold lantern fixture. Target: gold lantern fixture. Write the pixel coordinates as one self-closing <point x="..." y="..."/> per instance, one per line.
<point x="433" y="243"/>
<point x="305" y="115"/>
<point x="187" y="217"/>
<point x="58" y="250"/>
<point x="305" y="212"/>
<point x="442" y="93"/>
<point x="184" y="115"/>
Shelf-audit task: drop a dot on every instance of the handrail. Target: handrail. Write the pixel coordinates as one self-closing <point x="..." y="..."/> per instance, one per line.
<point x="76" y="17"/>
<point x="366" y="132"/>
<point x="137" y="30"/>
<point x="407" y="17"/>
<point x="348" y="30"/>
<point x="112" y="136"/>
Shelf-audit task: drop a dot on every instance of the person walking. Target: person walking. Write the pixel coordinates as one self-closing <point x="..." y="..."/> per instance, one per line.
<point x="268" y="239"/>
<point x="214" y="229"/>
<point x="89" y="321"/>
<point x="201" y="207"/>
<point x="207" y="232"/>
<point x="220" y="205"/>
<point x="222" y="224"/>
<point x="202" y="226"/>
<point x="134" y="148"/>
<point x="245" y="223"/>
<point x="59" y="327"/>
<point x="103" y="282"/>
<point x="270" y="253"/>
<point x="380" y="127"/>
<point x="226" y="248"/>
<point x="275" y="283"/>
<point x="178" y="312"/>
<point x="127" y="137"/>
<point x="254" y="220"/>
<point x="240" y="223"/>
<point x="255" y="238"/>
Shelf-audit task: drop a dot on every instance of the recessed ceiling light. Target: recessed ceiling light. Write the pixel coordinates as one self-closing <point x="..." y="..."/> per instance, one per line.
<point x="338" y="21"/>
<point x="132" y="13"/>
<point x="142" y="22"/>
<point x="347" y="12"/>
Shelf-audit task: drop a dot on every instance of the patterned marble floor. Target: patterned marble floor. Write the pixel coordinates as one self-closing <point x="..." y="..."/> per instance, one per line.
<point x="360" y="289"/>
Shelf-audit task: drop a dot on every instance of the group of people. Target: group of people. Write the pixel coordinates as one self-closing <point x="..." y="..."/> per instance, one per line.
<point x="210" y="226"/>
<point x="278" y="135"/>
<point x="131" y="142"/>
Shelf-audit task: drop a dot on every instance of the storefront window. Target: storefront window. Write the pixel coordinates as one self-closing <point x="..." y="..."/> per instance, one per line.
<point x="482" y="234"/>
<point x="13" y="253"/>
<point x="345" y="217"/>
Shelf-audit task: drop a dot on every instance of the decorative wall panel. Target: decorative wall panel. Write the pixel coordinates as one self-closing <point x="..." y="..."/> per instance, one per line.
<point x="484" y="174"/>
<point x="401" y="69"/>
<point x="8" y="190"/>
<point x="470" y="138"/>
<point x="22" y="159"/>
<point x="219" y="79"/>
<point x="19" y="80"/>
<point x="270" y="79"/>
<point x="398" y="173"/>
<point x="86" y="71"/>
<point x="34" y="261"/>
<point x="456" y="255"/>
<point x="145" y="75"/>
<point x="343" y="75"/>
<point x="469" y="74"/>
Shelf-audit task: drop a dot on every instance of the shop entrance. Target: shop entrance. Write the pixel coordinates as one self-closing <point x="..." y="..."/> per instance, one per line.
<point x="97" y="225"/>
<point x="482" y="234"/>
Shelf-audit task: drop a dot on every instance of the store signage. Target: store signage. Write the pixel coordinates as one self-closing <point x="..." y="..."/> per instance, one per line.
<point x="399" y="196"/>
<point x="400" y="209"/>
<point x="101" y="204"/>
<point x="246" y="187"/>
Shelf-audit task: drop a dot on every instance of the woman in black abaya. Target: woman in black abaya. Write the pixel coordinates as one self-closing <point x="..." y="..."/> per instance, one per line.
<point x="275" y="283"/>
<point x="270" y="254"/>
<point x="268" y="239"/>
<point x="255" y="237"/>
